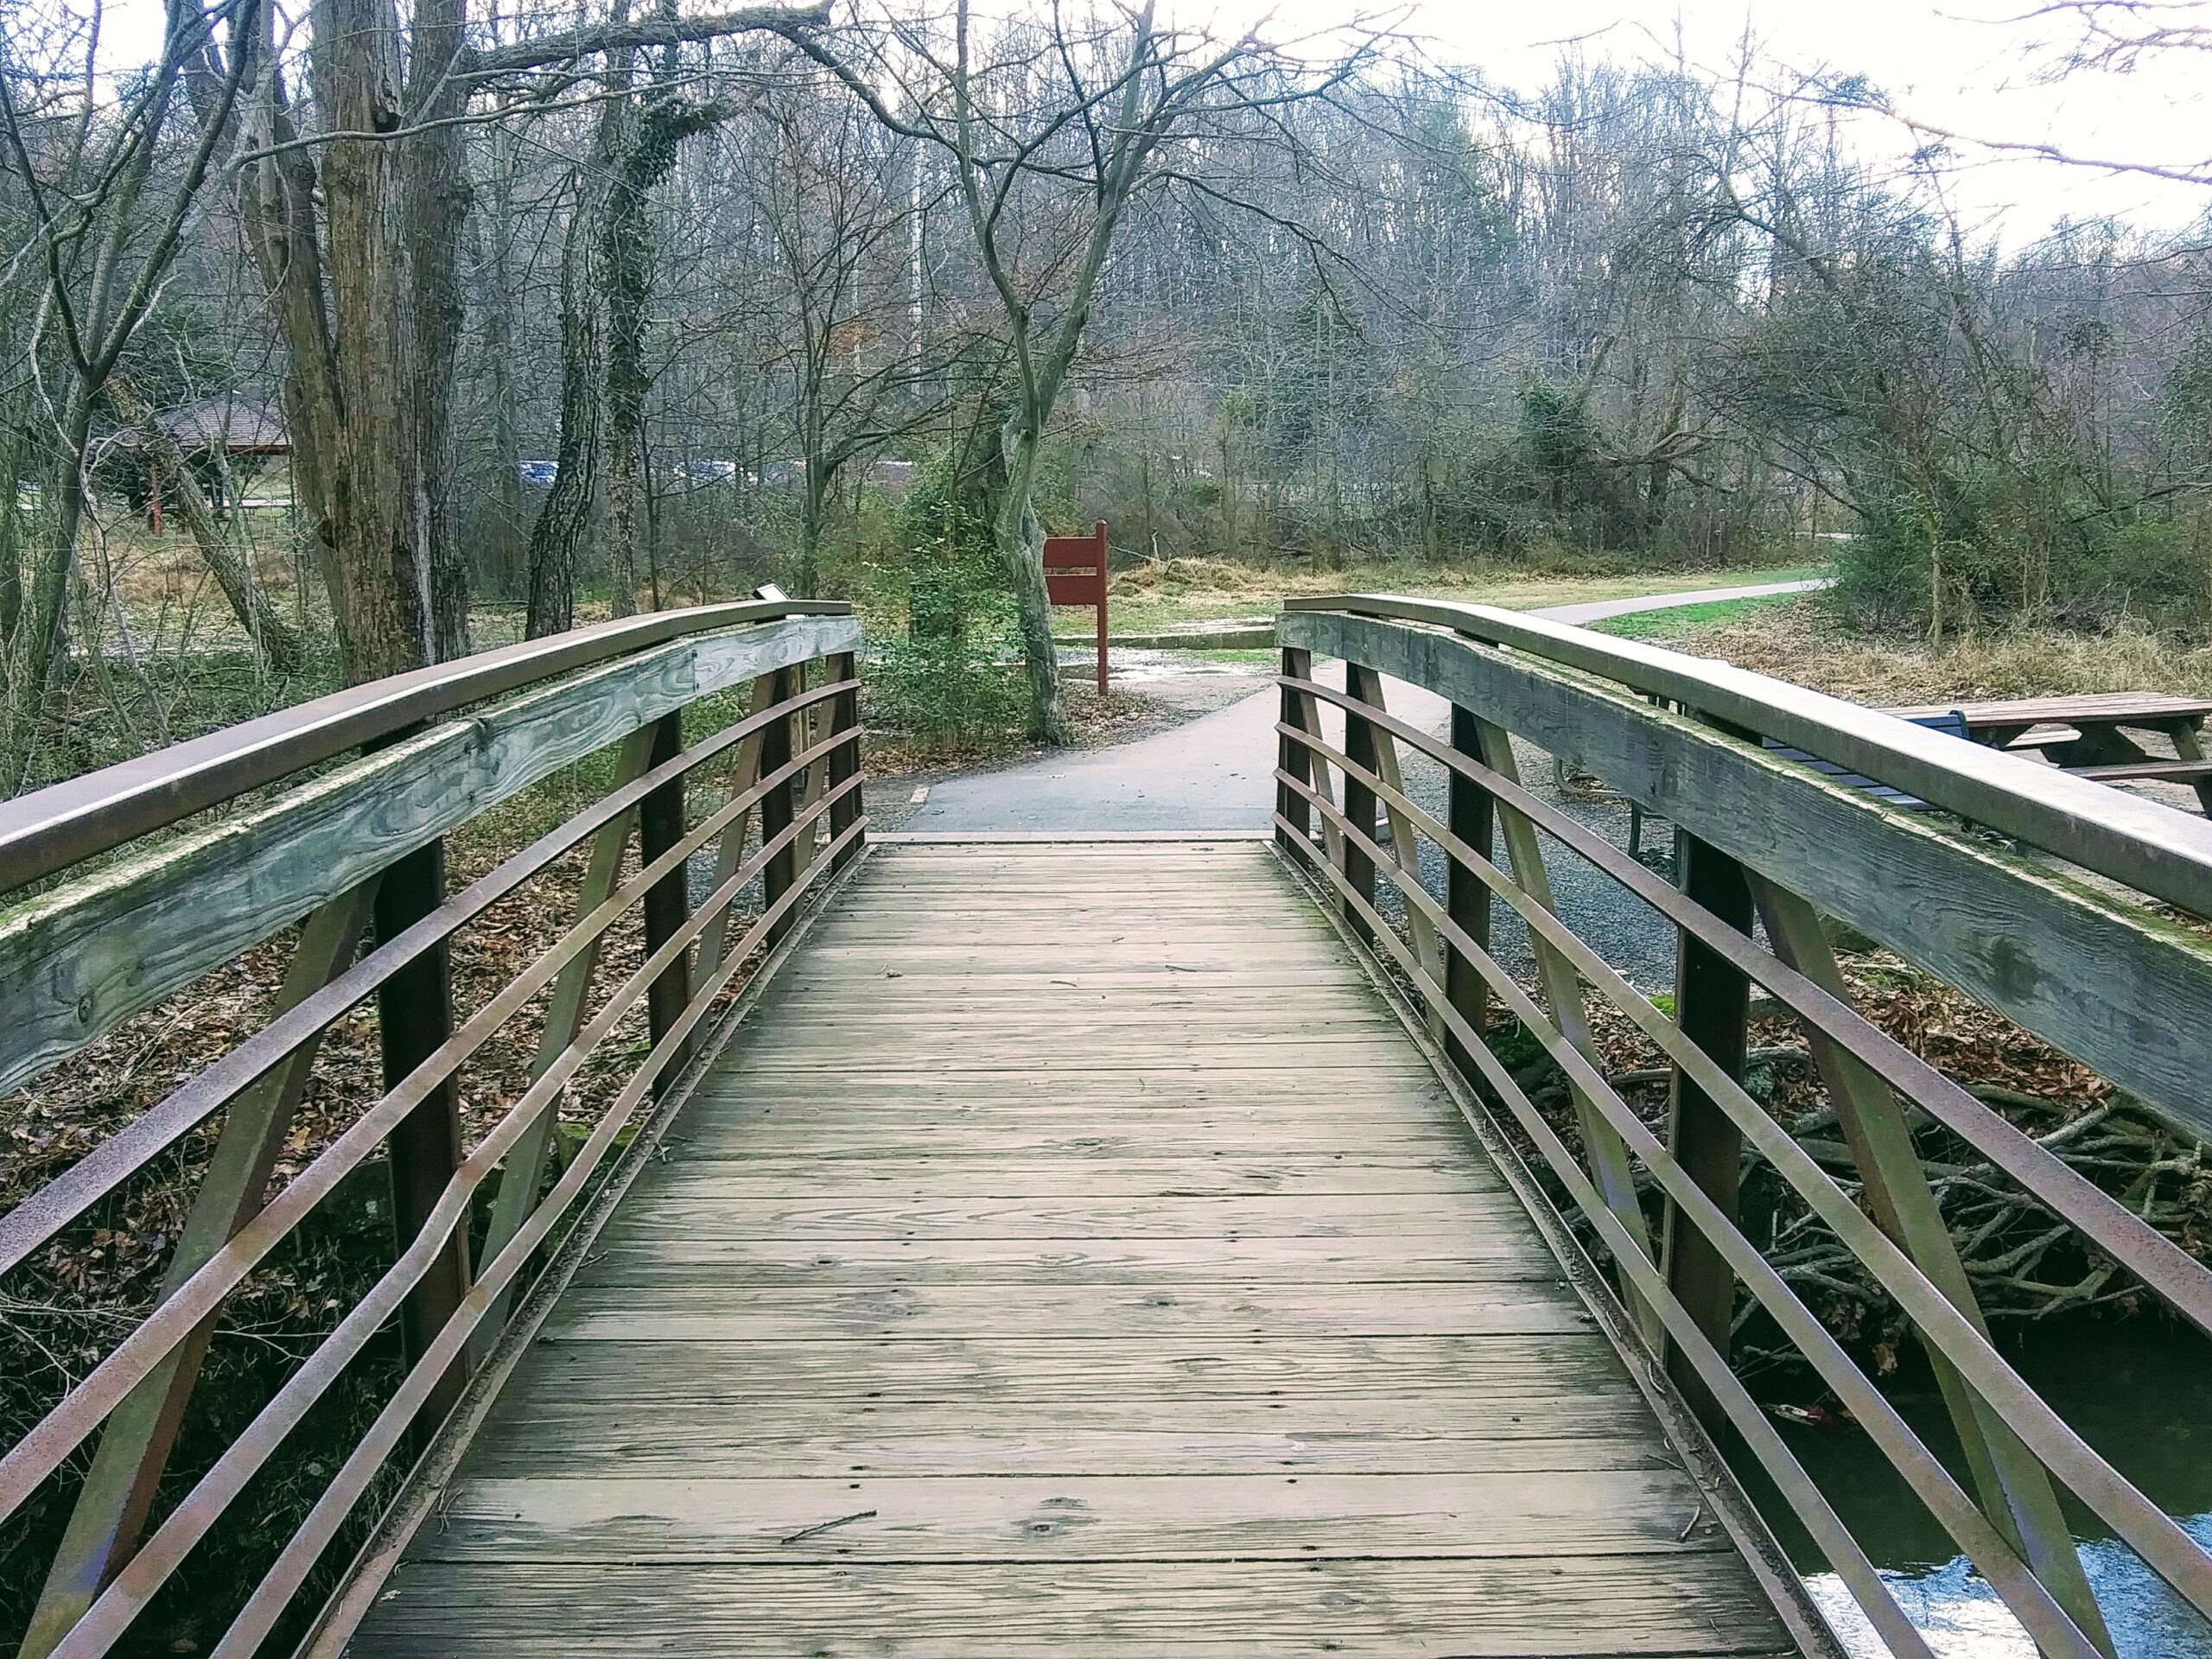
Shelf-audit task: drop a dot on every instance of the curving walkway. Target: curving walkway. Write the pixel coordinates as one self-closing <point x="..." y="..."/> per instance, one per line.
<point x="1216" y="772"/>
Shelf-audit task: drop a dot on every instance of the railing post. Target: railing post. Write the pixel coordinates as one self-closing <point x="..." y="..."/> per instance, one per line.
<point x="782" y="869"/>
<point x="1466" y="901"/>
<point x="845" y="758"/>
<point x="414" y="1017"/>
<point x="668" y="901"/>
<point x="1291" y="755"/>
<point x="1359" y="808"/>
<point x="1712" y="1006"/>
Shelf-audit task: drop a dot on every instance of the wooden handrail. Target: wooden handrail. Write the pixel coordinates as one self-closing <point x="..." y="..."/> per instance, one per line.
<point x="1558" y="687"/>
<point x="2150" y="847"/>
<point x="66" y="822"/>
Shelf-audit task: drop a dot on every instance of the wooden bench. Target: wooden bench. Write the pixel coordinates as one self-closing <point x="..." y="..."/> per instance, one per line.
<point x="2090" y="736"/>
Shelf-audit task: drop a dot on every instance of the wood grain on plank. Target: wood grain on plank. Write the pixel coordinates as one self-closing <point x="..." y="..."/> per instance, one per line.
<point x="1577" y="1605"/>
<point x="1094" y="1518"/>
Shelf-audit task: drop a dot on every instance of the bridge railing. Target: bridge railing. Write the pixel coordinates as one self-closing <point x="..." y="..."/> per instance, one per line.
<point x="2063" y="930"/>
<point x="352" y="850"/>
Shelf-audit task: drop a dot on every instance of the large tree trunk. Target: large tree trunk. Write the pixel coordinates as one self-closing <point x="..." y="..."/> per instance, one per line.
<point x="626" y="267"/>
<point x="436" y="197"/>
<point x="377" y="499"/>
<point x="1020" y="540"/>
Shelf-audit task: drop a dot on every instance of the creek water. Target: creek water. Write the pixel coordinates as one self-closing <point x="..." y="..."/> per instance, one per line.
<point x="2139" y="1391"/>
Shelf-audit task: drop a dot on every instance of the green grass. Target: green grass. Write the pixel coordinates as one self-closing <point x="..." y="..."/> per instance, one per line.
<point x="1686" y="621"/>
<point x="1184" y="591"/>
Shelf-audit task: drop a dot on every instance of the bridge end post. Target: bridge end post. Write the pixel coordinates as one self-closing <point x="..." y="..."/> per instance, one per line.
<point x="1466" y="901"/>
<point x="845" y="758"/>
<point x="1291" y="756"/>
<point x="668" y="901"/>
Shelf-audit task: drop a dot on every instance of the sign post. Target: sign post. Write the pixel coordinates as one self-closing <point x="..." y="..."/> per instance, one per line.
<point x="1075" y="574"/>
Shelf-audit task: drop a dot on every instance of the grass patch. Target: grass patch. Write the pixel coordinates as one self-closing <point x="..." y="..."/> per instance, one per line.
<point x="1681" y="622"/>
<point x="1176" y="592"/>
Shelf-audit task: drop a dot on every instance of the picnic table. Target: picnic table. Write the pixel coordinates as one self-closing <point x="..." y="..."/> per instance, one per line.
<point x="2095" y="736"/>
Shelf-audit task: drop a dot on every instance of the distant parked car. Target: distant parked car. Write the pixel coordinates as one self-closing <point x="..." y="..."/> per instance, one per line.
<point x="538" y="473"/>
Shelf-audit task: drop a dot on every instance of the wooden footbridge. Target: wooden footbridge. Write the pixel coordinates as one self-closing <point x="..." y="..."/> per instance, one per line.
<point x="1014" y="1245"/>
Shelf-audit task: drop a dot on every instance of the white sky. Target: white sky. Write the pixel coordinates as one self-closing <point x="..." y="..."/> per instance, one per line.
<point x="1966" y="67"/>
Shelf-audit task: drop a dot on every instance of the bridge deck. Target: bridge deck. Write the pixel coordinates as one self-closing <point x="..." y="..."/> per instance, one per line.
<point x="1078" y="1256"/>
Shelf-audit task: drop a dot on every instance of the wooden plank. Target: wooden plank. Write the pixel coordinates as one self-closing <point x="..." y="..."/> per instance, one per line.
<point x="711" y="1309"/>
<point x="741" y="1180"/>
<point x="1533" y="1382"/>
<point x="2120" y="988"/>
<point x="707" y="1215"/>
<point x="1566" y="1605"/>
<point x="75" y="961"/>
<point x="1202" y="1437"/>
<point x="1147" y="1518"/>
<point x="767" y="1264"/>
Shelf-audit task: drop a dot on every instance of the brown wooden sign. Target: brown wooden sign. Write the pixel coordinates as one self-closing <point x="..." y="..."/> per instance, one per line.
<point x="1075" y="574"/>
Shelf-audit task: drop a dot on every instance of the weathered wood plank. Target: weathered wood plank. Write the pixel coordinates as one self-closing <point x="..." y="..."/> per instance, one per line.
<point x="934" y="1179"/>
<point x="1531" y="1376"/>
<point x="1136" y="1216"/>
<point x="750" y="1264"/>
<point x="1569" y="1605"/>
<point x="712" y="1309"/>
<point x="1149" y="1517"/>
<point x="1205" y="1437"/>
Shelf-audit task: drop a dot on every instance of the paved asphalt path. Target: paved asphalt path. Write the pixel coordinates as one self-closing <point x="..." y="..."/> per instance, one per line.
<point x="1216" y="772"/>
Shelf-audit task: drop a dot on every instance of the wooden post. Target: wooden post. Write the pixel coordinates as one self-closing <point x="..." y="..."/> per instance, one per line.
<point x="2014" y="1487"/>
<point x="1359" y="808"/>
<point x="668" y="901"/>
<point x="118" y="1491"/>
<point x="1290" y="754"/>
<point x="845" y="758"/>
<point x="776" y="805"/>
<point x="1711" y="1005"/>
<point x="1466" y="901"/>
<point x="414" y="1017"/>
<point x="1099" y="531"/>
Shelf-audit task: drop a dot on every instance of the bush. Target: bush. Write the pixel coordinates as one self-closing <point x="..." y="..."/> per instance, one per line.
<point x="952" y="676"/>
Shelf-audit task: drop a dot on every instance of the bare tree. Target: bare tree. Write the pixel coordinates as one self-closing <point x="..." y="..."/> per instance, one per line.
<point x="1052" y="130"/>
<point x="111" y="192"/>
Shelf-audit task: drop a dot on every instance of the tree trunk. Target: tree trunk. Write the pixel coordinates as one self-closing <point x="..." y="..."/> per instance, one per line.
<point x="437" y="199"/>
<point x="377" y="494"/>
<point x="1020" y="541"/>
<point x="626" y="267"/>
<point x="499" y="348"/>
<point x="562" y="522"/>
<point x="41" y="631"/>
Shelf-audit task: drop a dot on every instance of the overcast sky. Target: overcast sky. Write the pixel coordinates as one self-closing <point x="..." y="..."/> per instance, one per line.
<point x="1966" y="66"/>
